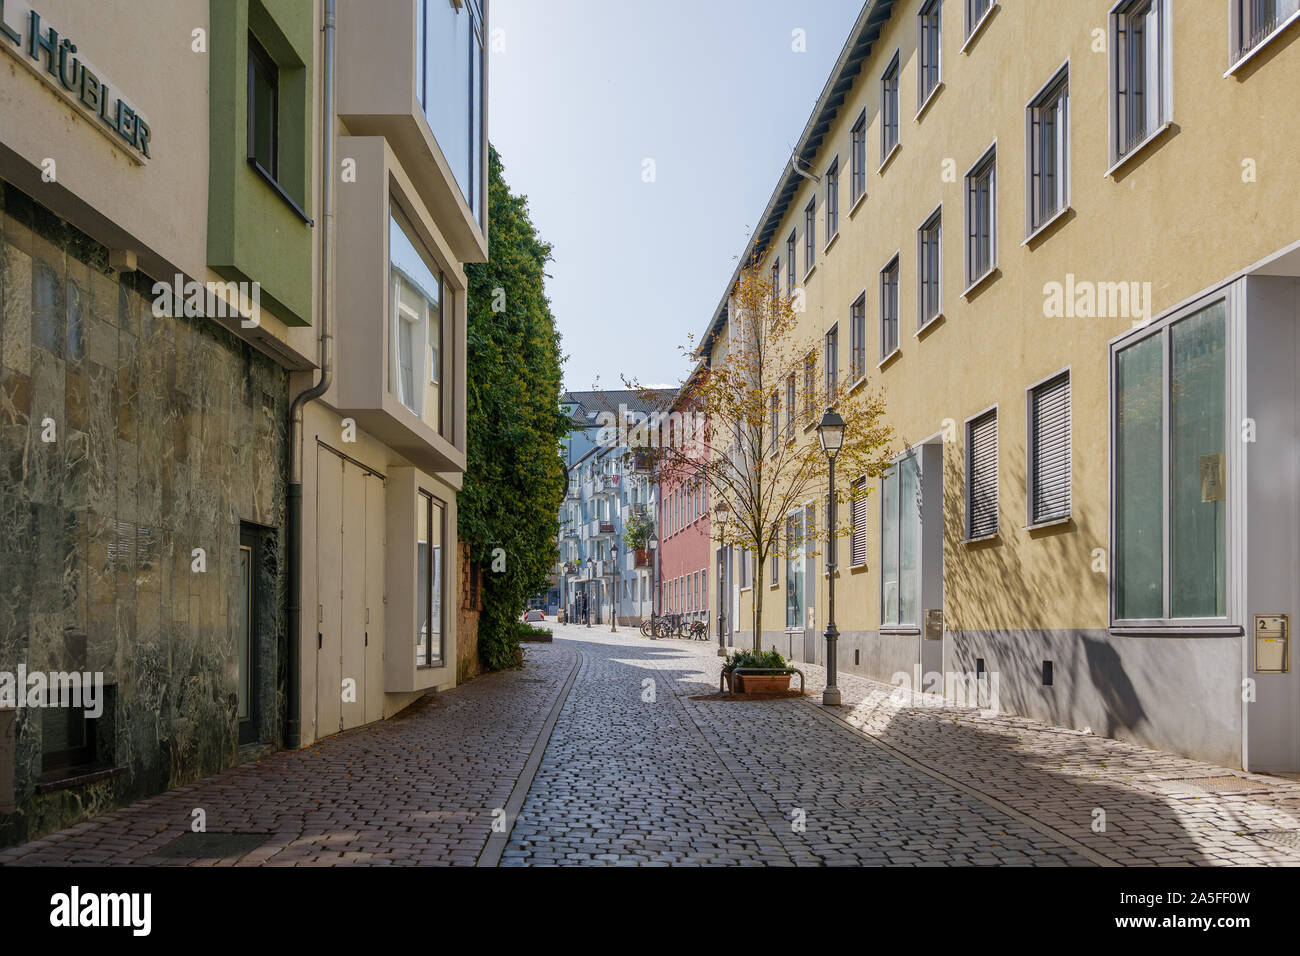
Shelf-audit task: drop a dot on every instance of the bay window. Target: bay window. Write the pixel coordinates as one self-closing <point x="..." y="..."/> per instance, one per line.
<point x="416" y="324"/>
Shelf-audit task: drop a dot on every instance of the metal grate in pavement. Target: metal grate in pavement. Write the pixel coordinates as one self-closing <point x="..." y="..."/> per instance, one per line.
<point x="1225" y="784"/>
<point x="212" y="846"/>
<point x="1289" y="838"/>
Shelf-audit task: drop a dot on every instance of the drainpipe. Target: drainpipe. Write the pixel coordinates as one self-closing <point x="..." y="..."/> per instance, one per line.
<point x="293" y="731"/>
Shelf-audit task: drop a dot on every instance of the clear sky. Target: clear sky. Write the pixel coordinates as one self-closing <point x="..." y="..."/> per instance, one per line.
<point x="711" y="91"/>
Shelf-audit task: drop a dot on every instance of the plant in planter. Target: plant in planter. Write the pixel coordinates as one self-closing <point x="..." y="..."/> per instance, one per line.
<point x="636" y="534"/>
<point x="757" y="683"/>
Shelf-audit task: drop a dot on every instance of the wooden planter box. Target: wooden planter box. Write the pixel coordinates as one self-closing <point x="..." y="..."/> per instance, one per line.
<point x="760" y="684"/>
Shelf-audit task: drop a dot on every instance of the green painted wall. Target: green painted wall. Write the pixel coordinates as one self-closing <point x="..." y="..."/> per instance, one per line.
<point x="253" y="233"/>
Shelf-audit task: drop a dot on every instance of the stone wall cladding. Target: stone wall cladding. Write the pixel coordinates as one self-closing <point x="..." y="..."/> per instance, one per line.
<point x="169" y="433"/>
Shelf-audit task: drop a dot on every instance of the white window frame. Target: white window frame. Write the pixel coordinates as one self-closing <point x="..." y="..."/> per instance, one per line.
<point x="888" y="348"/>
<point x="1122" y="146"/>
<point x="810" y="236"/>
<point x="858" y="338"/>
<point x="832" y="201"/>
<point x="923" y="319"/>
<point x="1237" y="56"/>
<point x="929" y="9"/>
<point x="989" y="159"/>
<point x="890" y="102"/>
<point x="1055" y="90"/>
<point x="858" y="160"/>
<point x="1031" y="477"/>
<point x="968" y="472"/>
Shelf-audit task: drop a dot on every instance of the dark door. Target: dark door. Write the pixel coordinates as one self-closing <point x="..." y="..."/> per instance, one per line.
<point x="248" y="635"/>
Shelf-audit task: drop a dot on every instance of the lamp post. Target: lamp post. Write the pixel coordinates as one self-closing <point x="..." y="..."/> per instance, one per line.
<point x="830" y="432"/>
<point x="613" y="589"/>
<point x="652" y="543"/>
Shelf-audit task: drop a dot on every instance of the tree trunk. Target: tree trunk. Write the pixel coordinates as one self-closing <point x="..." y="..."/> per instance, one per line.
<point x="758" y="605"/>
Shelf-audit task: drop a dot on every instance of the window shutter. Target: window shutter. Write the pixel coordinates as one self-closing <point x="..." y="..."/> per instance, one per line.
<point x="1050" y="448"/>
<point x="982" y="476"/>
<point x="858" y="543"/>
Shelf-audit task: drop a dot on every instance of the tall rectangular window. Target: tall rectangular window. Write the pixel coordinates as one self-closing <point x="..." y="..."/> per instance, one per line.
<point x="1254" y="21"/>
<point x="773" y="564"/>
<point x="1140" y="72"/>
<point x="900" y="530"/>
<point x="810" y="386"/>
<point x="790" y="248"/>
<point x="982" y="476"/>
<point x="1049" y="450"/>
<point x="889" y="308"/>
<point x="794" y="571"/>
<point x="776" y="281"/>
<point x="774" y="425"/>
<point x="858" y="515"/>
<point x="450" y="70"/>
<point x="810" y="236"/>
<point x="832" y="363"/>
<point x="928" y="269"/>
<point x="858" y="158"/>
<point x="981" y="218"/>
<point x="429" y="528"/>
<point x="976" y="10"/>
<point x="927" y="50"/>
<point x="889" y="109"/>
<point x="416" y="322"/>
<point x="263" y="109"/>
<point x="1171" y="420"/>
<point x="858" y="338"/>
<point x="833" y="200"/>
<point x="1048" y="146"/>
<point x="790" y="400"/>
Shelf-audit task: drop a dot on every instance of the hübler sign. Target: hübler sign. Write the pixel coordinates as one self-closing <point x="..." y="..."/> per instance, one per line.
<point x="54" y="59"/>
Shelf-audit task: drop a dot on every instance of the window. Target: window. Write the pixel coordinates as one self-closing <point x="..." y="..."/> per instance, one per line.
<point x="928" y="269"/>
<point x="832" y="363"/>
<point x="429" y="527"/>
<point x="900" y="529"/>
<point x="976" y="10"/>
<point x="889" y="109"/>
<point x="1254" y="21"/>
<point x="833" y="200"/>
<point x="858" y="158"/>
<point x="810" y="387"/>
<point x="858" y="338"/>
<point x="1169" y="458"/>
<point x="415" y="347"/>
<point x="1140" y="73"/>
<point x="981" y="218"/>
<point x="789" y="407"/>
<point x="772" y="561"/>
<point x="790" y="279"/>
<point x="858" y="516"/>
<point x="775" y="423"/>
<point x="889" y="309"/>
<point x="450" y="80"/>
<point x="776" y="281"/>
<point x="982" y="476"/>
<point x="927" y="49"/>
<point x="810" y="236"/>
<point x="263" y="109"/>
<point x="1049" y="450"/>
<point x="794" y="568"/>
<point x="1048" y="135"/>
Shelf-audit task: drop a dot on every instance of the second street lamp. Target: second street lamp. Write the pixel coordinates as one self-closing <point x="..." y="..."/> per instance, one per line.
<point x="830" y="432"/>
<point x="613" y="589"/>
<point x="653" y="543"/>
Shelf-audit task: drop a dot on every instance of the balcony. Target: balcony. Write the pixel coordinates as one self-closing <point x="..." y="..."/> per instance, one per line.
<point x="598" y="528"/>
<point x="643" y="559"/>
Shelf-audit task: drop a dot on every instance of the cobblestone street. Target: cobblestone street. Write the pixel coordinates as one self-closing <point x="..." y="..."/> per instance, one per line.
<point x="600" y="752"/>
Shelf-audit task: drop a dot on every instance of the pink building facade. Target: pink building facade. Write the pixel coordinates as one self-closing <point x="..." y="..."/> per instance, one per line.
<point x="683" y="529"/>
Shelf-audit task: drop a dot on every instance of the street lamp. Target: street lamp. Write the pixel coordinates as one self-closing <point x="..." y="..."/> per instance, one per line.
<point x="653" y="543"/>
<point x="830" y="432"/>
<point x="613" y="589"/>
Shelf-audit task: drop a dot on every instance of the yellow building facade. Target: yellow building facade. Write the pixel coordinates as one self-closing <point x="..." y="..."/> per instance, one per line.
<point x="1064" y="239"/>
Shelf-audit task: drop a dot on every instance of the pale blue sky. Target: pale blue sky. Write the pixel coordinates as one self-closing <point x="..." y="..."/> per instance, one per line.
<point x="586" y="90"/>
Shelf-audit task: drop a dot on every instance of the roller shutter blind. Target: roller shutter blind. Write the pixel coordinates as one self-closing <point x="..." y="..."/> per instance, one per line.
<point x="982" y="476"/>
<point x="1049" y="436"/>
<point x="858" y="543"/>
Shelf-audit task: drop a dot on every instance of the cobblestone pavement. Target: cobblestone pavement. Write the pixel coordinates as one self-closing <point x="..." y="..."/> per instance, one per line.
<point x="419" y="789"/>
<point x="637" y="771"/>
<point x="911" y="768"/>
